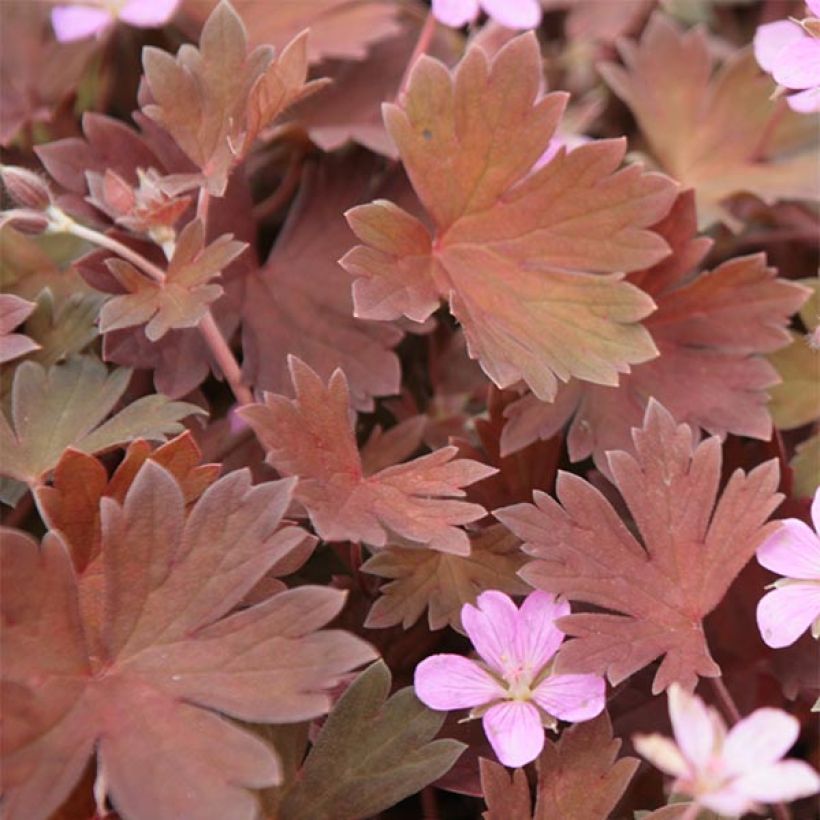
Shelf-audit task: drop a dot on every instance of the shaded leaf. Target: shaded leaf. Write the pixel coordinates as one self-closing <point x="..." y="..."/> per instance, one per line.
<point x="66" y="406"/>
<point x="706" y="130"/>
<point x="580" y="776"/>
<point x="659" y="589"/>
<point x="13" y="312"/>
<point x="711" y="329"/>
<point x="442" y="583"/>
<point x="311" y="437"/>
<point x="182" y="299"/>
<point x="806" y="466"/>
<point x="372" y="752"/>
<point x="169" y="649"/>
<point x="507" y="795"/>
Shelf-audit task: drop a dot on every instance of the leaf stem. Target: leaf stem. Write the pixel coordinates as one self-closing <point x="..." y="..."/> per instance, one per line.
<point x="422" y="44"/>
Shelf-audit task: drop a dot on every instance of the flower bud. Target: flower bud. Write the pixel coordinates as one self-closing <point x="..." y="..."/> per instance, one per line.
<point x="25" y="187"/>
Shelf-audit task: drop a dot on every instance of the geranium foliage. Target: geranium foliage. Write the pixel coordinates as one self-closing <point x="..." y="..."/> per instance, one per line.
<point x="403" y="403"/>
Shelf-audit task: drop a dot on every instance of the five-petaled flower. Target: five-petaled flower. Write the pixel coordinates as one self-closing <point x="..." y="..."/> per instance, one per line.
<point x="793" y="606"/>
<point x="515" y="14"/>
<point x="76" y="21"/>
<point x="790" y="51"/>
<point x="731" y="772"/>
<point x="514" y="689"/>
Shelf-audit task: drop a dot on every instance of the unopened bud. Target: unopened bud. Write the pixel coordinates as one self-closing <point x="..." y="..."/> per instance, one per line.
<point x="25" y="220"/>
<point x="25" y="187"/>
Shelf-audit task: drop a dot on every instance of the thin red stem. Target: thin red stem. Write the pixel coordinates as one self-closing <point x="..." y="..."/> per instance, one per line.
<point x="129" y="254"/>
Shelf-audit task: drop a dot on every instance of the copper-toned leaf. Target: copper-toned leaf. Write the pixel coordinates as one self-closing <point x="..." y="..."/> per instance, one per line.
<point x="14" y="311"/>
<point x="214" y="100"/>
<point x="171" y="657"/>
<point x="507" y="795"/>
<point x="299" y="302"/>
<point x="183" y="297"/>
<point x="311" y="437"/>
<point x="581" y="775"/>
<point x="66" y="406"/>
<point x="442" y="583"/>
<point x="711" y="329"/>
<point x="531" y="263"/>
<point x="707" y="131"/>
<point x="372" y="752"/>
<point x="658" y="589"/>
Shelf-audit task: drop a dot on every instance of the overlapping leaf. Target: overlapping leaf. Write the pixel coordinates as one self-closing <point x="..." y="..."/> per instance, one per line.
<point x="183" y="297"/>
<point x="171" y="658"/>
<point x="658" y="589"/>
<point x="507" y="795"/>
<point x="711" y="329"/>
<point x="215" y="100"/>
<point x="714" y="134"/>
<point x="372" y="752"/>
<point x="299" y="302"/>
<point x="311" y="437"/>
<point x="13" y="312"/>
<point x="66" y="406"/>
<point x="442" y="583"/>
<point x="531" y="264"/>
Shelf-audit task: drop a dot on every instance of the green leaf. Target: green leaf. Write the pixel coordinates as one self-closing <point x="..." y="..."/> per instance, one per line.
<point x="371" y="753"/>
<point x="66" y="405"/>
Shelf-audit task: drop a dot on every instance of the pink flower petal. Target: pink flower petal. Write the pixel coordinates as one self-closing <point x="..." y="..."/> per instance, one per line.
<point x="759" y="739"/>
<point x="815" y="505"/>
<point x="728" y="801"/>
<point x="572" y="697"/>
<point x="447" y="682"/>
<point x="538" y="636"/>
<point x="784" y="614"/>
<point x="798" y="66"/>
<point x="805" y="102"/>
<point x="148" y="13"/>
<point x="78" y="22"/>
<point x="772" y="38"/>
<point x="792" y="551"/>
<point x="455" y="13"/>
<point x="515" y="732"/>
<point x="662" y="753"/>
<point x="492" y="628"/>
<point x="516" y="14"/>
<point x="693" y="725"/>
<point x="814" y="7"/>
<point x="783" y="782"/>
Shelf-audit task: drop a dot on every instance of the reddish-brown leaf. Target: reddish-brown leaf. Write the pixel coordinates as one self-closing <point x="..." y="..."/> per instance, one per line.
<point x="531" y="263"/>
<point x="658" y="589"/>
<point x="299" y="302"/>
<point x="580" y="775"/>
<point x="714" y="134"/>
<point x="147" y="689"/>
<point x="711" y="329"/>
<point x="507" y="795"/>
<point x="183" y="297"/>
<point x="214" y="100"/>
<point x="311" y="437"/>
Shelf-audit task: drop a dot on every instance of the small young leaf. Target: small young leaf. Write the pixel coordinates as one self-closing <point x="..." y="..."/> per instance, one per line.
<point x="311" y="437"/>
<point x="14" y="311"/>
<point x="661" y="589"/>
<point x="65" y="406"/>
<point x="371" y="753"/>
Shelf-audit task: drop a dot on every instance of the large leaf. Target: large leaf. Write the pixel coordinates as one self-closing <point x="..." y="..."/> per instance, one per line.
<point x="311" y="437"/>
<point x="66" y="406"/>
<point x="657" y="589"/>
<point x="531" y="263"/>
<point x="372" y="752"/>
<point x="147" y="688"/>
<point x="442" y="583"/>
<point x="299" y="303"/>
<point x="707" y="131"/>
<point x="712" y="330"/>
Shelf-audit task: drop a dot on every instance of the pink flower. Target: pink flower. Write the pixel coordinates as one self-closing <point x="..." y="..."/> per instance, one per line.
<point x="790" y="52"/>
<point x="514" y="689"/>
<point x="786" y="612"/>
<point x="76" y="21"/>
<point x="729" y="773"/>
<point x="514" y="14"/>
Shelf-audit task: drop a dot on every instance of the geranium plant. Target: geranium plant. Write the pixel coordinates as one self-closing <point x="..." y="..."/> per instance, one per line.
<point x="403" y="402"/>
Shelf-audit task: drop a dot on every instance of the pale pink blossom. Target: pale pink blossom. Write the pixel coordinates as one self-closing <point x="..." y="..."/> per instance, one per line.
<point x="793" y="606"/>
<point x="514" y="14"/>
<point x="76" y="21"/>
<point x="731" y="772"/>
<point x="512" y="688"/>
<point x="790" y="51"/>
